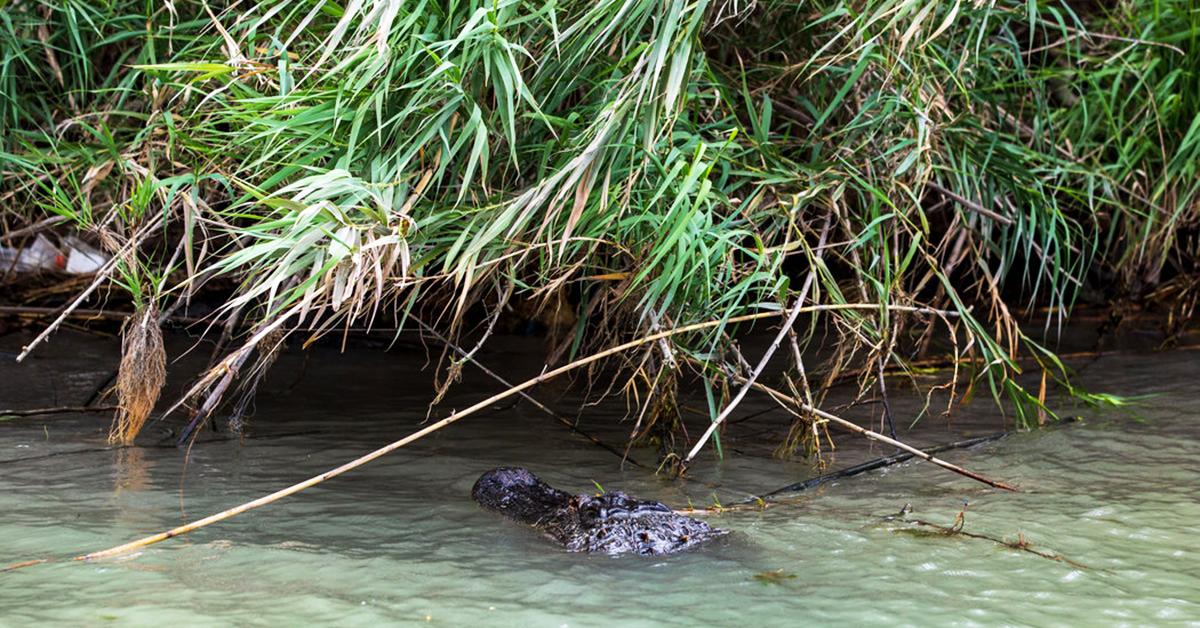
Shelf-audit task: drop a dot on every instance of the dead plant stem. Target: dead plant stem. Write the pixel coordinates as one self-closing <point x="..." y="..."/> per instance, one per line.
<point x="879" y="437"/>
<point x="526" y="396"/>
<point x="748" y="382"/>
<point x="762" y="363"/>
<point x="969" y="204"/>
<point x="59" y="410"/>
<point x="101" y="276"/>
<point x="34" y="228"/>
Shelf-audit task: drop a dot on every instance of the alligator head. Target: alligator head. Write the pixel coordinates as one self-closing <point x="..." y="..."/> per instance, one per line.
<point x="611" y="522"/>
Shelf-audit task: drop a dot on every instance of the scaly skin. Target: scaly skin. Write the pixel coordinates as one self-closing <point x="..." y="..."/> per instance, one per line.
<point x="612" y="523"/>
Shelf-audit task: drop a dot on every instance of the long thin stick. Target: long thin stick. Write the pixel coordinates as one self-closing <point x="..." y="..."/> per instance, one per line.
<point x="526" y="396"/>
<point x="969" y="204"/>
<point x="880" y="437"/>
<point x="878" y="463"/>
<point x="6" y="414"/>
<point x="162" y="536"/>
<point x="101" y="276"/>
<point x="762" y="364"/>
<point x="34" y="228"/>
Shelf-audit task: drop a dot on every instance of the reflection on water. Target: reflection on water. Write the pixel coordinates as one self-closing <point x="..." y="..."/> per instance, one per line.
<point x="131" y="470"/>
<point x="399" y="542"/>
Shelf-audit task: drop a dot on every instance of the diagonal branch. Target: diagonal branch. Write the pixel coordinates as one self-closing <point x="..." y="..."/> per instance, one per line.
<point x="101" y="276"/>
<point x="762" y="364"/>
<point x="496" y="376"/>
<point x="878" y="437"/>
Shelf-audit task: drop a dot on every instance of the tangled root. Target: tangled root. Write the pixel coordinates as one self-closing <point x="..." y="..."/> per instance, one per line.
<point x="142" y="374"/>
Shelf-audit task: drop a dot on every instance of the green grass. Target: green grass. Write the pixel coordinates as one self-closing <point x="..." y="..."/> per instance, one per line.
<point x="665" y="162"/>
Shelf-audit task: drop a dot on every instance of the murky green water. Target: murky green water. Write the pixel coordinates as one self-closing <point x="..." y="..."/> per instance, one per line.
<point x="399" y="542"/>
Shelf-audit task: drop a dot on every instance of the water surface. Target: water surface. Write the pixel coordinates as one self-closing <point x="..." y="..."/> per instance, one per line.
<point x="399" y="542"/>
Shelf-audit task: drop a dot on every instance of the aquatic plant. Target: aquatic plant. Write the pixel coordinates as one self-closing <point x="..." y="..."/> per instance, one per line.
<point x="911" y="171"/>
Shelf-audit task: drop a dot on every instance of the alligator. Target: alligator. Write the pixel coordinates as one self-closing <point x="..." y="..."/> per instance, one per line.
<point x="611" y="522"/>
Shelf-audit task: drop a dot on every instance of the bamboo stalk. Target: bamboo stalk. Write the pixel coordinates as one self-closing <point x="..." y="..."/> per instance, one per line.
<point x="26" y="564"/>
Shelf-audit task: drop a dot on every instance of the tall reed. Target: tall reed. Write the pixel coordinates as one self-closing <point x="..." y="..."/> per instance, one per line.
<point x="661" y="162"/>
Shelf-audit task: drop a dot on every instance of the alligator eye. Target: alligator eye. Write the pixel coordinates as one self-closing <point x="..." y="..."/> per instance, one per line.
<point x="683" y="538"/>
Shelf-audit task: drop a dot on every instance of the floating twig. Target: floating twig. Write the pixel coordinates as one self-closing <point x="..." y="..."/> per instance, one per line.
<point x="957" y="530"/>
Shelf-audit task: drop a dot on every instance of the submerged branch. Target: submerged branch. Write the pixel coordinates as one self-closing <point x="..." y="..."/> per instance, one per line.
<point x="957" y="530"/>
<point x="878" y="463"/>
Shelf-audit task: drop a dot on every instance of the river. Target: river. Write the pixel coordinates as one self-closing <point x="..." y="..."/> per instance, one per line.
<point x="398" y="542"/>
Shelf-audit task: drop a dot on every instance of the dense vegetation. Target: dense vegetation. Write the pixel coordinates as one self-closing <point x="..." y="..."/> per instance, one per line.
<point x="914" y="170"/>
